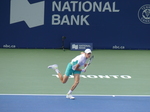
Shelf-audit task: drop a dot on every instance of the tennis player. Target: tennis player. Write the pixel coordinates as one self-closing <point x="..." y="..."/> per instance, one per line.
<point x="73" y="68"/>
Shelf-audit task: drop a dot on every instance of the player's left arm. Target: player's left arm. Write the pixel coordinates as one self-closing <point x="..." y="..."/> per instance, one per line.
<point x="82" y="53"/>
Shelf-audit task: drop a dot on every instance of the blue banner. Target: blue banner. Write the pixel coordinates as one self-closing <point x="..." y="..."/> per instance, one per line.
<point x="108" y="24"/>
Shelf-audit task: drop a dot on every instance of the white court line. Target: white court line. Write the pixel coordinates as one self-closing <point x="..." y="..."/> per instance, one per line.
<point x="73" y="95"/>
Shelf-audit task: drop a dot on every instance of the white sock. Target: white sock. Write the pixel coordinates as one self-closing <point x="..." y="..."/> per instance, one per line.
<point x="69" y="92"/>
<point x="57" y="71"/>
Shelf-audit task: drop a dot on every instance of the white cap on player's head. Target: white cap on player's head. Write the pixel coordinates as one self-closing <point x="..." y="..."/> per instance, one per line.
<point x="88" y="51"/>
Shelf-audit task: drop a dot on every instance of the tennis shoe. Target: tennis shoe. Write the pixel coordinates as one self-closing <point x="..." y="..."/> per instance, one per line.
<point x="70" y="96"/>
<point x="54" y="67"/>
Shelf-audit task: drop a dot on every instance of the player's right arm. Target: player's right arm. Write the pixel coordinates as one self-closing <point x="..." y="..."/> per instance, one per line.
<point x="77" y="67"/>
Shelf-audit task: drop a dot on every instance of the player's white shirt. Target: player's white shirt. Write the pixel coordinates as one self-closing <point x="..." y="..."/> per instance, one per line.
<point x="80" y="59"/>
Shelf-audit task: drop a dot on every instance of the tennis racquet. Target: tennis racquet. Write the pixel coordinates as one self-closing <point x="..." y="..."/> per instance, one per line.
<point x="89" y="62"/>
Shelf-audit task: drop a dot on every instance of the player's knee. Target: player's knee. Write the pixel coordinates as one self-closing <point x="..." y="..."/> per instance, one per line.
<point x="76" y="82"/>
<point x="64" y="82"/>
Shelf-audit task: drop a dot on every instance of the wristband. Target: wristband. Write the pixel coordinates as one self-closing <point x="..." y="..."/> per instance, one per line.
<point x="83" y="70"/>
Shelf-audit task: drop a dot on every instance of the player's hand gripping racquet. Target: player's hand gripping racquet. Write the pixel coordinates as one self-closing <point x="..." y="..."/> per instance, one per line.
<point x="89" y="62"/>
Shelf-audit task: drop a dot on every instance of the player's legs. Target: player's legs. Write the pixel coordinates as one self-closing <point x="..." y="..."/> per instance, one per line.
<point x="68" y="72"/>
<point x="76" y="81"/>
<point x="62" y="78"/>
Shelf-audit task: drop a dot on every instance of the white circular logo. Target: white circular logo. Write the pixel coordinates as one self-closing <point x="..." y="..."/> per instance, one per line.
<point x="144" y="14"/>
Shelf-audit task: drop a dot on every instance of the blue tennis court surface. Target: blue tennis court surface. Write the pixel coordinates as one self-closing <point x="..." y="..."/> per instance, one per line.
<point x="53" y="103"/>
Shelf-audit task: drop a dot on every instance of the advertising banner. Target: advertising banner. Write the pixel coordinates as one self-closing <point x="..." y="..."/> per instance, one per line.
<point x="108" y="24"/>
<point x="81" y="46"/>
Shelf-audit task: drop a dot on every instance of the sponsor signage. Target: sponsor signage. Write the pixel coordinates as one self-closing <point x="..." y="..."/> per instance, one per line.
<point x="106" y="24"/>
<point x="81" y="46"/>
